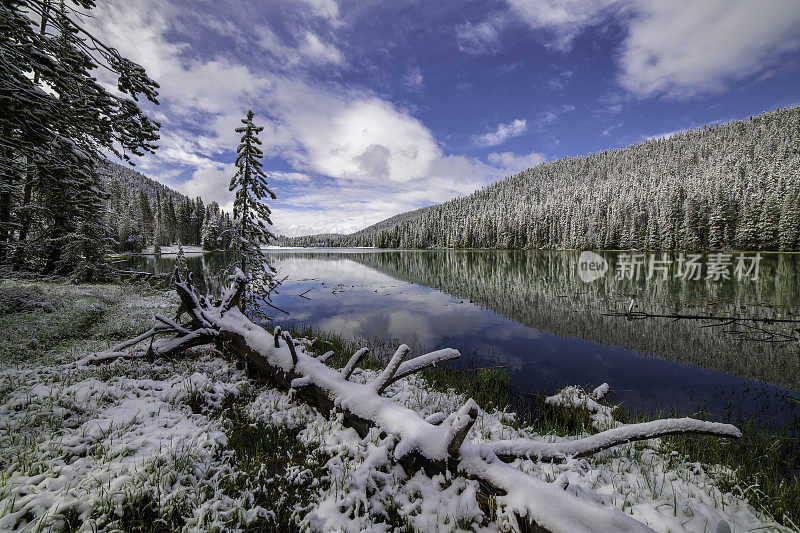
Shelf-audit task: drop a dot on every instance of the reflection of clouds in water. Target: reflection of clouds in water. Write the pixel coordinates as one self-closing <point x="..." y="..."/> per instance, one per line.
<point x="295" y="315"/>
<point x="429" y="328"/>
<point x="426" y="328"/>
<point x="398" y="310"/>
<point x="347" y="325"/>
<point x="412" y="326"/>
<point x="331" y="271"/>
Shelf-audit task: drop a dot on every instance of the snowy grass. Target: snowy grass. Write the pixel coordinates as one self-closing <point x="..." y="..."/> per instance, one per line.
<point x="762" y="467"/>
<point x="193" y="444"/>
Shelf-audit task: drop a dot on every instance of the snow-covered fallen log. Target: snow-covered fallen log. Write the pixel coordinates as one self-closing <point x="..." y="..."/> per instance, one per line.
<point x="436" y="444"/>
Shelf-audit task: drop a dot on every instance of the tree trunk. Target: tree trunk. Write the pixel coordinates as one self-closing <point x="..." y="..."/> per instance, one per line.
<point x="6" y="190"/>
<point x="25" y="218"/>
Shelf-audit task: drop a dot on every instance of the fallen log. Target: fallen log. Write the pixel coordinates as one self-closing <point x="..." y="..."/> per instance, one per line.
<point x="436" y="444"/>
<point x="753" y="328"/>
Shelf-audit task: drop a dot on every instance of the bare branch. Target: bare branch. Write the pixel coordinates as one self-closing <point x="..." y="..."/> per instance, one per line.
<point x="174" y="325"/>
<point x="324" y="357"/>
<point x="511" y="449"/>
<point x="198" y="337"/>
<point x="424" y="361"/>
<point x="435" y="418"/>
<point x="384" y="378"/>
<point x="290" y="343"/>
<point x="464" y="419"/>
<point x="233" y="294"/>
<point x="353" y="362"/>
<point x="155" y="330"/>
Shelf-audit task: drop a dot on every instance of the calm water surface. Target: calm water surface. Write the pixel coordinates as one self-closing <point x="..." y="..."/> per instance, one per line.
<point x="532" y="309"/>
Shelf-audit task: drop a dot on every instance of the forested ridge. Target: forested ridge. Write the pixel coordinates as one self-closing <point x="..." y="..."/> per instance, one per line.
<point x="142" y="212"/>
<point x="728" y="186"/>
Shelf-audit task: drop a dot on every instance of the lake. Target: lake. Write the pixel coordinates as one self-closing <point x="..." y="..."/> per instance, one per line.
<point x="537" y="311"/>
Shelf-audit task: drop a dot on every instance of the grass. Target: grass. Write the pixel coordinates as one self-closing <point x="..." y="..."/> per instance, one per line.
<point x="263" y="455"/>
<point x="70" y="319"/>
<point x="765" y="463"/>
<point x="143" y="513"/>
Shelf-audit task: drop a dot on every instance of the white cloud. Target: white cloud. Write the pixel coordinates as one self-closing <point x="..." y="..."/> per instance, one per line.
<point x="503" y="132"/>
<point x="684" y="47"/>
<point x="510" y="162"/>
<point x="211" y="183"/>
<point x="307" y="49"/>
<point x="290" y="176"/>
<point x="211" y="94"/>
<point x="175" y="147"/>
<point x="677" y="48"/>
<point x="354" y="136"/>
<point x="412" y="79"/>
<point x="356" y="157"/>
<point x="562" y="20"/>
<point x="327" y="9"/>
<point x="318" y="52"/>
<point x="482" y="38"/>
<point x="607" y="132"/>
<point x="358" y="205"/>
<point x="552" y="115"/>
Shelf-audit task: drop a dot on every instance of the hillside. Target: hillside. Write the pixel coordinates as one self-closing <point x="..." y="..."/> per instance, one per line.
<point x="142" y="212"/>
<point x="727" y="186"/>
<point x="131" y="180"/>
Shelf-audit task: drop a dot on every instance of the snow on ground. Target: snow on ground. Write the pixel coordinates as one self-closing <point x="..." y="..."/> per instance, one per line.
<point x="103" y="439"/>
<point x="575" y="397"/>
<point x="76" y="444"/>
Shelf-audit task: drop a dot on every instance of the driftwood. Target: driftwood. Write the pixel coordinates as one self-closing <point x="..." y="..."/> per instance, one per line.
<point x="436" y="444"/>
<point x="752" y="328"/>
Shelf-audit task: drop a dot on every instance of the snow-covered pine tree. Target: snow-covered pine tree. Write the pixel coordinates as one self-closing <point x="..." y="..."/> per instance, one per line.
<point x="50" y="139"/>
<point x="197" y="227"/>
<point x="789" y="228"/>
<point x="157" y="237"/>
<point x="209" y="236"/>
<point x="180" y="262"/>
<point x="250" y="213"/>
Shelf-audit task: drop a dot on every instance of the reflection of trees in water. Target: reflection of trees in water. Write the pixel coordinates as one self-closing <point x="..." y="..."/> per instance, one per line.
<point x="200" y="265"/>
<point x="542" y="290"/>
<point x="212" y="261"/>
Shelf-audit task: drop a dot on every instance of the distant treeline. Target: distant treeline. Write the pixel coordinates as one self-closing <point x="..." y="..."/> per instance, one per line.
<point x="729" y="186"/>
<point x="142" y="212"/>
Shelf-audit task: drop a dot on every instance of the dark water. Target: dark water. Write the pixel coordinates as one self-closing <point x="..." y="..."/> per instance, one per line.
<point x="533" y="308"/>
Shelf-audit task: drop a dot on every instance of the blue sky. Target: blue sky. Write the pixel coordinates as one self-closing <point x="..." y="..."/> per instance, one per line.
<point x="373" y="108"/>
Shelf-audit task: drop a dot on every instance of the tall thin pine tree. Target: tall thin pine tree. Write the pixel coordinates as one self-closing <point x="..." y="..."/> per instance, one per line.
<point x="251" y="215"/>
